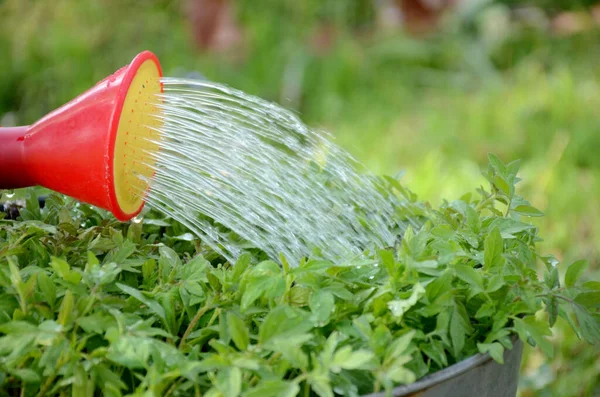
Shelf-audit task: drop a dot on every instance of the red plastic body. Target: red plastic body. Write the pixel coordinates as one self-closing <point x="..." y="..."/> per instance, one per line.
<point x="70" y="150"/>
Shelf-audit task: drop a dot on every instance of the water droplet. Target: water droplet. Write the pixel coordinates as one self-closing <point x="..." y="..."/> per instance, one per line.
<point x="137" y="219"/>
<point x="371" y="277"/>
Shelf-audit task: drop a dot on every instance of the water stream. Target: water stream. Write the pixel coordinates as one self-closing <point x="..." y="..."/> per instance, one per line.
<point x="242" y="173"/>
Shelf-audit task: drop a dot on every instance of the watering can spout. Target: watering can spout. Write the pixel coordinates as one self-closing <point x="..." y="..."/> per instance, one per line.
<point x="97" y="148"/>
<point x="13" y="173"/>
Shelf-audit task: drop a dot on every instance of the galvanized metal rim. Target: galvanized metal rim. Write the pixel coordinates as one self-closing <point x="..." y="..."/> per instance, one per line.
<point x="447" y="373"/>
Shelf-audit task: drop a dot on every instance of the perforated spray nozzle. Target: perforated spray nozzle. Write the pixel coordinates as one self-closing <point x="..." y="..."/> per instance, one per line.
<point x="96" y="148"/>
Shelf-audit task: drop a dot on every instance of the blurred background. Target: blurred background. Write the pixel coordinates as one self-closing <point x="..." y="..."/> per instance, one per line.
<point x="423" y="86"/>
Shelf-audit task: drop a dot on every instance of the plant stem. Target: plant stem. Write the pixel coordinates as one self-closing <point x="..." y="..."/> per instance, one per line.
<point x="173" y="387"/>
<point x="194" y="321"/>
<point x="61" y="361"/>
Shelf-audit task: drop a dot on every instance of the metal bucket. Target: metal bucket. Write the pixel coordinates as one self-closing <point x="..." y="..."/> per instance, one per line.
<point x="477" y="376"/>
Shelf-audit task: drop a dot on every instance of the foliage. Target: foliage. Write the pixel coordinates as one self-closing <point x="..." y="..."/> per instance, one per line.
<point x="90" y="304"/>
<point x="433" y="107"/>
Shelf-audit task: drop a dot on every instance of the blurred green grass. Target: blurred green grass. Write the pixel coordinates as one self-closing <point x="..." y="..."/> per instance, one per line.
<point x="432" y="107"/>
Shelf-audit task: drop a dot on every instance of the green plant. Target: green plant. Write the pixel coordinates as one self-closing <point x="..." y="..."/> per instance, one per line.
<point x="88" y="303"/>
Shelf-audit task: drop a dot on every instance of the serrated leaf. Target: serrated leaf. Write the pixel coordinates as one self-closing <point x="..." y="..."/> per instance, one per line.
<point x="320" y="385"/>
<point x="502" y="185"/>
<point x="493" y="247"/>
<point x="528" y="210"/>
<point x="486" y="310"/>
<point x="238" y="330"/>
<point x="530" y="327"/>
<point x="494" y="283"/>
<point x="459" y="329"/>
<point x="274" y="388"/>
<point x="63" y="269"/>
<point x="399" y="346"/>
<point x="495" y="350"/>
<point x="241" y="265"/>
<point x="589" y="325"/>
<point x="291" y="349"/>
<point x="312" y="266"/>
<point x="509" y="227"/>
<point x="96" y="323"/>
<point x="255" y="288"/>
<point x="150" y="303"/>
<point x="401" y="306"/>
<point x="496" y="164"/>
<point x="470" y="276"/>
<point x="321" y="304"/>
<point x="27" y="375"/>
<point x="401" y="375"/>
<point x="345" y="358"/>
<point x="434" y="350"/>
<point x="229" y="382"/>
<point x="283" y="322"/>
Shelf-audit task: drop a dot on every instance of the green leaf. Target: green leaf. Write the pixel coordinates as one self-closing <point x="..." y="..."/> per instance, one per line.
<point x="96" y="323"/>
<point x="321" y="304"/>
<point x="401" y="375"/>
<point x="435" y="350"/>
<point x="299" y="296"/>
<point x="590" y="300"/>
<point x="528" y="210"/>
<point x="320" y="385"/>
<point x="345" y="358"/>
<point x="27" y="375"/>
<point x="66" y="309"/>
<point x="530" y="327"/>
<point x="495" y="349"/>
<point x="589" y="324"/>
<point x="401" y="306"/>
<point x="459" y="329"/>
<point x="502" y="185"/>
<point x="167" y="261"/>
<point x="312" y="266"/>
<point x="152" y="304"/>
<point x="494" y="283"/>
<point x="575" y="271"/>
<point x="470" y="276"/>
<point x="552" y="309"/>
<point x="496" y="164"/>
<point x="488" y="309"/>
<point x="493" y="247"/>
<point x="274" y="388"/>
<point x="241" y="265"/>
<point x="399" y="346"/>
<point x="62" y="268"/>
<point x="284" y="322"/>
<point x="238" y="330"/>
<point x="256" y="287"/>
<point x="229" y="382"/>
<point x="509" y="228"/>
<point x="291" y="349"/>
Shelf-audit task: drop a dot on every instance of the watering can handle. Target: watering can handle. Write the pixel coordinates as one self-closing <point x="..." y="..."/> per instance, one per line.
<point x="13" y="170"/>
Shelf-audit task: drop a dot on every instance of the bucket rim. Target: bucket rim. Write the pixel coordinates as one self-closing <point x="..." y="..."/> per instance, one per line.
<point x="450" y="372"/>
